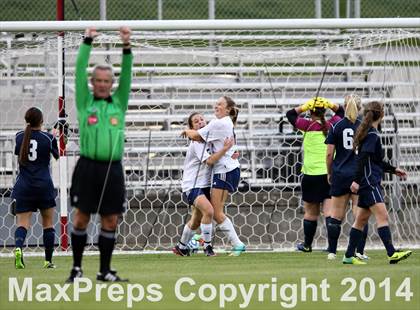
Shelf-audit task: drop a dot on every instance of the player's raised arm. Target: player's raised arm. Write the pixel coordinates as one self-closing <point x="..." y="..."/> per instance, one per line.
<point x="124" y="84"/>
<point x="82" y="88"/>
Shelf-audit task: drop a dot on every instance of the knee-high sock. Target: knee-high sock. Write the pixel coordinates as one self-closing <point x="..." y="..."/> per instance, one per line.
<point x="78" y="242"/>
<point x="334" y="229"/>
<point x="227" y="227"/>
<point x="206" y="232"/>
<point x="48" y="238"/>
<point x="327" y="221"/>
<point x="362" y="243"/>
<point x="355" y="236"/>
<point x="385" y="235"/>
<point x="186" y="236"/>
<point x="106" y="243"/>
<point x="309" y="229"/>
<point x="20" y="236"/>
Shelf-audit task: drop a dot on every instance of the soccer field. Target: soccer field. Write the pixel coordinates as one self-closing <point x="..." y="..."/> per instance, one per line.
<point x="281" y="272"/>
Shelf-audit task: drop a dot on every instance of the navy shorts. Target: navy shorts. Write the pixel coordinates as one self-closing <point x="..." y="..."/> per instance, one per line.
<point x="227" y="181"/>
<point x="315" y="188"/>
<point x="33" y="206"/>
<point x="340" y="185"/>
<point x="192" y="194"/>
<point x="369" y="196"/>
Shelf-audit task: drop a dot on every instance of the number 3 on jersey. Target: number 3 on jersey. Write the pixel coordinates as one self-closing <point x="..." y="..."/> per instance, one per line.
<point x="33" y="144"/>
<point x="348" y="138"/>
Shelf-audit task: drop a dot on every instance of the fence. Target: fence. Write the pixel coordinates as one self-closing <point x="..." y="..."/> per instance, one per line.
<point x="207" y="9"/>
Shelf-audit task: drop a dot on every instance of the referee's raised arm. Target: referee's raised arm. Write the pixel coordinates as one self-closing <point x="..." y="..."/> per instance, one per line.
<point x="82" y="88"/>
<point x="124" y="85"/>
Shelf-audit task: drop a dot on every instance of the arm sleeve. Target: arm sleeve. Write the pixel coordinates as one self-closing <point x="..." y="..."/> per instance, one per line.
<point x="361" y="163"/>
<point x="54" y="148"/>
<point x="292" y="116"/>
<point x="124" y="84"/>
<point x="82" y="88"/>
<point x="387" y="167"/>
<point x="340" y="112"/>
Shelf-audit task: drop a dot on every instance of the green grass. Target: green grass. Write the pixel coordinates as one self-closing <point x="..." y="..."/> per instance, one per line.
<point x="249" y="268"/>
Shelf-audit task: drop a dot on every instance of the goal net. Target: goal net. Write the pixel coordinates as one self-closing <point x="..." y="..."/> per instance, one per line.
<point x="267" y="72"/>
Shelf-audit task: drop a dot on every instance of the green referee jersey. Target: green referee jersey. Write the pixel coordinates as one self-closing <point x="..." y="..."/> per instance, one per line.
<point x="101" y="121"/>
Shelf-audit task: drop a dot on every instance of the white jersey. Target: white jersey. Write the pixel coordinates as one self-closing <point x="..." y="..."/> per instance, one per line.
<point x="215" y="133"/>
<point x="190" y="179"/>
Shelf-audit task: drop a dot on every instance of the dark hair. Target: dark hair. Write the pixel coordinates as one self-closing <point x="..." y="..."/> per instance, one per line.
<point x="33" y="118"/>
<point x="233" y="110"/>
<point x="190" y="119"/>
<point x="373" y="111"/>
<point x="320" y="112"/>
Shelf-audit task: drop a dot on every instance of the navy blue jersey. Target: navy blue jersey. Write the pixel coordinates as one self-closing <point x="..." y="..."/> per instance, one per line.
<point x="341" y="136"/>
<point x="372" y="171"/>
<point x="34" y="179"/>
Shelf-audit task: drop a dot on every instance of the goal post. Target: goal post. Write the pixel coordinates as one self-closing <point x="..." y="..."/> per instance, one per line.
<point x="266" y="66"/>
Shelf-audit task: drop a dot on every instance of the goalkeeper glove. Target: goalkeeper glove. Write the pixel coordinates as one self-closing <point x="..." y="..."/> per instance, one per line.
<point x="308" y="105"/>
<point x="326" y="103"/>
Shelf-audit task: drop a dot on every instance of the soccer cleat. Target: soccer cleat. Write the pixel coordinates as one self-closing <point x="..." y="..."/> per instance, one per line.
<point x="237" y="250"/>
<point x="76" y="272"/>
<point x="181" y="252"/>
<point x="301" y="247"/>
<point x="398" y="256"/>
<point x="352" y="261"/>
<point x="49" y="265"/>
<point x="331" y="256"/>
<point x="19" y="264"/>
<point x="208" y="251"/>
<point x="362" y="256"/>
<point x="110" y="276"/>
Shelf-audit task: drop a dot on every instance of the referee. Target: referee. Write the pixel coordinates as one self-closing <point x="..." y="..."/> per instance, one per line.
<point x="98" y="178"/>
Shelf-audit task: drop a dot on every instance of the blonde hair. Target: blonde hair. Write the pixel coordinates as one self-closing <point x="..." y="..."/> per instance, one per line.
<point x="353" y="104"/>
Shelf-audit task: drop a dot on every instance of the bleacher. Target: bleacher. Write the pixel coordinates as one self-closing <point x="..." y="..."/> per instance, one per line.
<point x="168" y="84"/>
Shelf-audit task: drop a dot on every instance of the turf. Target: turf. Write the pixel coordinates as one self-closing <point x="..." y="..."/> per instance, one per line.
<point x="249" y="268"/>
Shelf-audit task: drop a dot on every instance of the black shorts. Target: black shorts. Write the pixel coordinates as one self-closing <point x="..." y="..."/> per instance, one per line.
<point x="33" y="205"/>
<point x="340" y="185"/>
<point x="315" y="188"/>
<point x="88" y="184"/>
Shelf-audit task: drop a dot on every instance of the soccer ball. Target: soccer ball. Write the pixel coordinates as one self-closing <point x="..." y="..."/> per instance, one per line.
<point x="194" y="244"/>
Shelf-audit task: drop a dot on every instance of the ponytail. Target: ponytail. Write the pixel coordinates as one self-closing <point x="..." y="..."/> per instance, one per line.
<point x="24" y="148"/>
<point x="233" y="113"/>
<point x="352" y="104"/>
<point x="320" y="112"/>
<point x="362" y="130"/>
<point x="373" y="111"/>
<point x="33" y="118"/>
